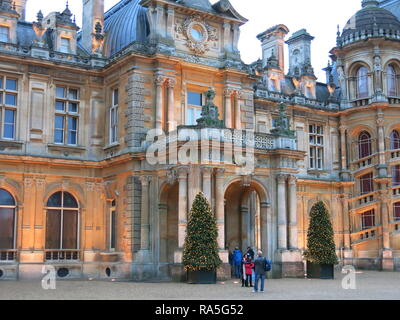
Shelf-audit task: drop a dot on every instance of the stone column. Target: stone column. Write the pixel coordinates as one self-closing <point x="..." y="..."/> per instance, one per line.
<point x="380" y="122"/>
<point x="385" y="220"/>
<point x="343" y="147"/>
<point x="183" y="207"/>
<point x="386" y="252"/>
<point x="145" y="214"/>
<point x="244" y="225"/>
<point x="238" y="101"/>
<point x="159" y="81"/>
<point x="227" y="36"/>
<point x="207" y="175"/>
<point x="171" y="105"/>
<point x="266" y="223"/>
<point x="282" y="212"/>
<point x="293" y="237"/>
<point x="228" y="108"/>
<point x="346" y="223"/>
<point x="220" y="206"/>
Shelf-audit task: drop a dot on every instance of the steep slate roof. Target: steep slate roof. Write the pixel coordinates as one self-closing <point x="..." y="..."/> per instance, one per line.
<point x="124" y="23"/>
<point x="371" y="17"/>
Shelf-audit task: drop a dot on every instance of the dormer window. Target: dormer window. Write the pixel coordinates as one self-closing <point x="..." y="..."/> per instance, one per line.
<point x="65" y="45"/>
<point x="362" y="83"/>
<point x="4" y="34"/>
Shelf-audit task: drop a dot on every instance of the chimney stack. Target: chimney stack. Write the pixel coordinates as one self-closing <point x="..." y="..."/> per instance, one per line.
<point x="93" y="25"/>
<point x="20" y="7"/>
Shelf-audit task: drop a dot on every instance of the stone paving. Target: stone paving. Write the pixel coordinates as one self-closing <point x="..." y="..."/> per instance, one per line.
<point x="370" y="286"/>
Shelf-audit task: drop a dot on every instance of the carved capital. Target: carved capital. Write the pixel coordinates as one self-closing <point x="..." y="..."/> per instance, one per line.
<point x="281" y="178"/>
<point x="144" y="180"/>
<point x="171" y="83"/>
<point x="220" y="173"/>
<point x="292" y="179"/>
<point x="228" y="93"/>
<point x="40" y="182"/>
<point x="159" y="80"/>
<point x="171" y="177"/>
<point x="380" y="122"/>
<point x="28" y="182"/>
<point x="207" y="171"/>
<point x="182" y="173"/>
<point x="343" y="129"/>
<point x="90" y="185"/>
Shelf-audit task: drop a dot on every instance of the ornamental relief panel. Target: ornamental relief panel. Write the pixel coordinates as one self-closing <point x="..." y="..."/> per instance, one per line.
<point x="197" y="34"/>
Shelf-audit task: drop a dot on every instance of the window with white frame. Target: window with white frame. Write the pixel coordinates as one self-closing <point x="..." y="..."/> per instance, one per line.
<point x="114" y="117"/>
<point x="8" y="107"/>
<point x="4" y="34"/>
<point x="113" y="225"/>
<point x="316" y="141"/>
<point x="194" y="106"/>
<point x="66" y="116"/>
<point x="65" y="45"/>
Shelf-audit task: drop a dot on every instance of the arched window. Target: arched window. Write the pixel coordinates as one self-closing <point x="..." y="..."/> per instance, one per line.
<point x="7" y="221"/>
<point x="394" y="140"/>
<point x="396" y="211"/>
<point x="364" y="145"/>
<point x="62" y="222"/>
<point x="362" y="83"/>
<point x="391" y="81"/>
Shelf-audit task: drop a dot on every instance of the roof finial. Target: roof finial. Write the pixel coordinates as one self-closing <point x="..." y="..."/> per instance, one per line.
<point x="369" y="3"/>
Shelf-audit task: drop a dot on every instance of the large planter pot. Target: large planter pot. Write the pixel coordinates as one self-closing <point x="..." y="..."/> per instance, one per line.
<point x="319" y="271"/>
<point x="202" y="277"/>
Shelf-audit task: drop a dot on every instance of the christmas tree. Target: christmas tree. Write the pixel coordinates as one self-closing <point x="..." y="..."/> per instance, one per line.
<point x="201" y="247"/>
<point x="320" y="243"/>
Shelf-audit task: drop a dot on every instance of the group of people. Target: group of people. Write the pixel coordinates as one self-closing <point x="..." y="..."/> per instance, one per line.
<point x="243" y="266"/>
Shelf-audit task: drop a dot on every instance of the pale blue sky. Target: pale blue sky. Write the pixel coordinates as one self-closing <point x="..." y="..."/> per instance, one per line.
<point x="319" y="17"/>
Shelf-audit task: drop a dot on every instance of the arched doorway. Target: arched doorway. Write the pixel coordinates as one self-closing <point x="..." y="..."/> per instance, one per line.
<point x="62" y="226"/>
<point x="7" y="225"/>
<point x="168" y="209"/>
<point x="246" y="216"/>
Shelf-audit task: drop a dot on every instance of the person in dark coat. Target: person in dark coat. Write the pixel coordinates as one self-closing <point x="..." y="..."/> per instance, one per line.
<point x="237" y="262"/>
<point x="260" y="271"/>
<point x="250" y="251"/>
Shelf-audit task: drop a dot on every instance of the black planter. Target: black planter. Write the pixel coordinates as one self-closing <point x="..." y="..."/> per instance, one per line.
<point x="319" y="271"/>
<point x="202" y="277"/>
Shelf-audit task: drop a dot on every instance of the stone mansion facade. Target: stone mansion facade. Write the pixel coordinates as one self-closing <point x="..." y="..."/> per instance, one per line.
<point x="78" y="193"/>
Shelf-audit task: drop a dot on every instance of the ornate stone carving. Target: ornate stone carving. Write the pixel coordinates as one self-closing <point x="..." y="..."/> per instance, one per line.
<point x="159" y="80"/>
<point x="28" y="182"/>
<point x="220" y="172"/>
<point x="292" y="179"/>
<point x="197" y="33"/>
<point x="209" y="113"/>
<point x="171" y="83"/>
<point x="281" y="178"/>
<point x="171" y="177"/>
<point x="144" y="180"/>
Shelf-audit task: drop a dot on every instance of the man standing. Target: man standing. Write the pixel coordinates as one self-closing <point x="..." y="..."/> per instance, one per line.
<point x="237" y="262"/>
<point x="260" y="269"/>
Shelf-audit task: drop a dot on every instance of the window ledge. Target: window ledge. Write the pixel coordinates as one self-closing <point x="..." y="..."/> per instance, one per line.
<point x="4" y="143"/>
<point x="317" y="171"/>
<point x="64" y="147"/>
<point x="111" y="146"/>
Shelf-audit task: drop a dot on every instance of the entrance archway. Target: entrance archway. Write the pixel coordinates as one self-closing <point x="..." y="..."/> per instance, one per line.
<point x="168" y="209"/>
<point x="246" y="216"/>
